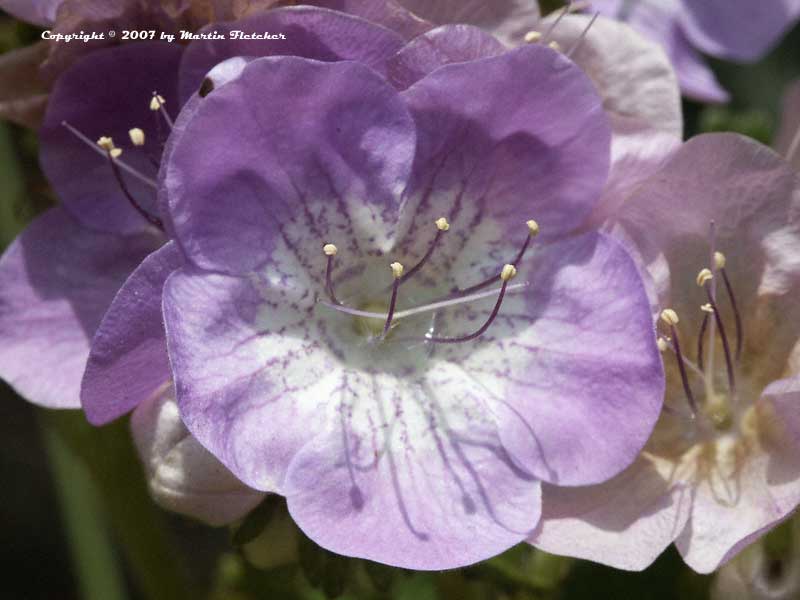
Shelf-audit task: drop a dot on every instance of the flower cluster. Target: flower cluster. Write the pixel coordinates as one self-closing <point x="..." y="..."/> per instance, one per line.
<point x="444" y="276"/>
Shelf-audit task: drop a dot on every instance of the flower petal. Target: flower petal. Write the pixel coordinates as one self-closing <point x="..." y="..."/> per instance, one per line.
<point x="530" y="141"/>
<point x="38" y="12"/>
<point x="625" y="522"/>
<point x="297" y="164"/>
<point x="310" y="32"/>
<point x="790" y="124"/>
<point x="747" y="492"/>
<point x="572" y="359"/>
<point x="183" y="476"/>
<point x="632" y="73"/>
<point x="423" y="484"/>
<point x="128" y="357"/>
<point x="740" y="30"/>
<point x="56" y="282"/>
<point x="106" y="94"/>
<point x="439" y="47"/>
<point x="507" y="20"/>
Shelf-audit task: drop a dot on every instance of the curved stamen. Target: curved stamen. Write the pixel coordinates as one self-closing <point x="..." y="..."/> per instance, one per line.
<point x="157" y="104"/>
<point x="579" y="41"/>
<point x="441" y="226"/>
<point x="112" y="154"/>
<point x="555" y="23"/>
<point x="704" y="279"/>
<point x="122" y="165"/>
<point x="719" y="260"/>
<point x="508" y="272"/>
<point x="702" y="334"/>
<point x="670" y="317"/>
<point x="533" y="231"/>
<point x="330" y="251"/>
<point x="397" y="272"/>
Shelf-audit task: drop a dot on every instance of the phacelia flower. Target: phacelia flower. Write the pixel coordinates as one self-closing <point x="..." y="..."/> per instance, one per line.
<point x="717" y="232"/>
<point x="739" y="30"/>
<point x="384" y="316"/>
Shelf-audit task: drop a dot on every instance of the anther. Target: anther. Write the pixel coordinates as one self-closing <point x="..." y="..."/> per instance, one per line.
<point x="662" y="344"/>
<point x="115" y="152"/>
<point x="670" y="317"/>
<point x="719" y="260"/>
<point x="441" y="226"/>
<point x="554" y="45"/>
<point x="106" y="143"/>
<point x="137" y="136"/>
<point x="703" y="277"/>
<point x="397" y="273"/>
<point x="532" y="37"/>
<point x="506" y="274"/>
<point x="330" y="251"/>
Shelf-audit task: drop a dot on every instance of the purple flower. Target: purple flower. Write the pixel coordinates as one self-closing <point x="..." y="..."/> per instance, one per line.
<point x="739" y="30"/>
<point x="407" y="440"/>
<point x="723" y="465"/>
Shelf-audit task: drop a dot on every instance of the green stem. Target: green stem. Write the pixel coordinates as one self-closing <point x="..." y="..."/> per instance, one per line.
<point x="137" y="524"/>
<point x="99" y="575"/>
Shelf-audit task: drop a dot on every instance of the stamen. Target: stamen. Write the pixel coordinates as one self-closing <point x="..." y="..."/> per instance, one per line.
<point x="554" y="45"/>
<point x="553" y="25"/>
<point x="670" y="317"/>
<point x="720" y="261"/>
<point x="793" y="147"/>
<point x="441" y="226"/>
<point x="706" y="308"/>
<point x="330" y="251"/>
<point x="705" y="282"/>
<point x="157" y="104"/>
<point x="397" y="272"/>
<point x="104" y="153"/>
<point x="582" y="37"/>
<point x="113" y="153"/>
<point x="533" y="231"/>
<point x="507" y="274"/>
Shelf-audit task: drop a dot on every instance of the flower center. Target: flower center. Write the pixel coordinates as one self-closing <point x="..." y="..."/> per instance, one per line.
<point x="375" y="319"/>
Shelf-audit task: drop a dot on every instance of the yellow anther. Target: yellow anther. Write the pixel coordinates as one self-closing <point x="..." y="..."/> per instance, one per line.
<point x="397" y="270"/>
<point x="707" y="308"/>
<point x="330" y="250"/>
<point x="704" y="277"/>
<point x="442" y="224"/>
<point x="115" y="152"/>
<point x="532" y="37"/>
<point x="156" y="102"/>
<point x="670" y="317"/>
<point x="106" y="143"/>
<point x="137" y="136"/>
<point x="554" y="45"/>
<point x="508" y="272"/>
<point x="662" y="344"/>
<point x="533" y="227"/>
<point x="719" y="260"/>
